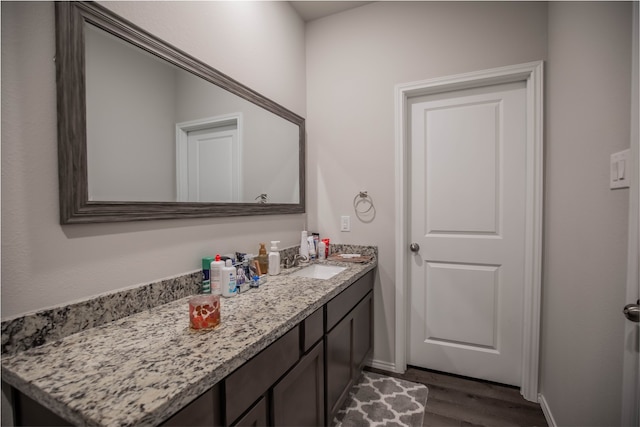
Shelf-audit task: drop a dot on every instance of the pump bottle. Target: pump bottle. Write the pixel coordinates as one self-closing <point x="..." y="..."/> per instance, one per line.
<point x="274" y="259"/>
<point x="263" y="259"/>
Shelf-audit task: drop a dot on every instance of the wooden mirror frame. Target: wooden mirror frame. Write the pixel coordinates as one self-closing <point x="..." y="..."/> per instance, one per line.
<point x="75" y="207"/>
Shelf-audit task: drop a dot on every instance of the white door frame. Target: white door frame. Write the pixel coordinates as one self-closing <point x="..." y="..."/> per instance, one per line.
<point x="630" y="370"/>
<point x="532" y="74"/>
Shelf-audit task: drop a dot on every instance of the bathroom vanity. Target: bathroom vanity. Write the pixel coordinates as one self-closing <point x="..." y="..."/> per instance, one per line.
<point x="285" y="354"/>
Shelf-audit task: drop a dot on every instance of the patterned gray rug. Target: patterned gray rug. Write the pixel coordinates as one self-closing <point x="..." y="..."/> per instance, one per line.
<point x="379" y="400"/>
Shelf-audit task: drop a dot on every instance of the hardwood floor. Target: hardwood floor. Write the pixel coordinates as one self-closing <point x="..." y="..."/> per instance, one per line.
<point x="459" y="401"/>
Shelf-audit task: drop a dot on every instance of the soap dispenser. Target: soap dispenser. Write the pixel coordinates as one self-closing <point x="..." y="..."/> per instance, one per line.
<point x="274" y="259"/>
<point x="263" y="259"/>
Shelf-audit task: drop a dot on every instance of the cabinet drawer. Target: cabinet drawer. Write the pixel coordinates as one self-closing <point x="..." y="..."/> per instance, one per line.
<point x="339" y="306"/>
<point x="312" y="329"/>
<point x="253" y="379"/>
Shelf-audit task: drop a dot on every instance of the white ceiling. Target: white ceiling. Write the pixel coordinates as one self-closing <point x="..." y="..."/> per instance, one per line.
<point x="310" y="10"/>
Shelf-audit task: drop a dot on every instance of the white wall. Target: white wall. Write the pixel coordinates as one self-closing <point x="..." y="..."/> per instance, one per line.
<point x="354" y="60"/>
<point x="44" y="264"/>
<point x="585" y="250"/>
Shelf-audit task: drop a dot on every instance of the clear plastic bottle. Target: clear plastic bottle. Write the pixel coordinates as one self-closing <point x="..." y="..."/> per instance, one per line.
<point x="228" y="282"/>
<point x="274" y="259"/>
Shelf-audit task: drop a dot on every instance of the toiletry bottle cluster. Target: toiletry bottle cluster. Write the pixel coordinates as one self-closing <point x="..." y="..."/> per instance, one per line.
<point x="228" y="275"/>
<point x="312" y="247"/>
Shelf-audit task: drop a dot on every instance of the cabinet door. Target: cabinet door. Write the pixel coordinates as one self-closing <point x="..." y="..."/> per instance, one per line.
<point x="256" y="417"/>
<point x="245" y="385"/>
<point x="362" y="333"/>
<point x="28" y="412"/>
<point x="339" y="365"/>
<point x="204" y="411"/>
<point x="348" y="346"/>
<point x="298" y="399"/>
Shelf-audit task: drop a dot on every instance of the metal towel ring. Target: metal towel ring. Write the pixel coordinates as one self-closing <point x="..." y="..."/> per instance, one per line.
<point x="362" y="197"/>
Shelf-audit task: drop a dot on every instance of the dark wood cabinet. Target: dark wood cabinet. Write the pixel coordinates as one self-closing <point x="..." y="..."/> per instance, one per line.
<point x="338" y="368"/>
<point x="204" y="411"/>
<point x="350" y="341"/>
<point x="256" y="416"/>
<point x="28" y="412"/>
<point x="298" y="399"/>
<point x="346" y="300"/>
<point x="362" y="333"/>
<point x="312" y="329"/>
<point x="253" y="379"/>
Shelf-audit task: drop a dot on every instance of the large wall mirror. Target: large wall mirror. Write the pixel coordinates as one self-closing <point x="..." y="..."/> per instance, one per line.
<point x="146" y="131"/>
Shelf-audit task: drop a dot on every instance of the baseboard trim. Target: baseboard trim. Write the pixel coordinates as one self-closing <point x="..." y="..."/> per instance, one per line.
<point x="546" y="411"/>
<point x="385" y="366"/>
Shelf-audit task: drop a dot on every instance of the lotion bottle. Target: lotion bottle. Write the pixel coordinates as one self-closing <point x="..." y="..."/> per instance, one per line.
<point x="216" y="275"/>
<point x="274" y="259"/>
<point x="228" y="279"/>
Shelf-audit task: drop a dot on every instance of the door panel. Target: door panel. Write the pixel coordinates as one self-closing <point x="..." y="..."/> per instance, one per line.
<point x="213" y="159"/>
<point x="471" y="290"/>
<point x="468" y="165"/>
<point x="461" y="142"/>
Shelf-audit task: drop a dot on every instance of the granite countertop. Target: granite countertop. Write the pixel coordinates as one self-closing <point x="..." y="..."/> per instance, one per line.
<point x="142" y="369"/>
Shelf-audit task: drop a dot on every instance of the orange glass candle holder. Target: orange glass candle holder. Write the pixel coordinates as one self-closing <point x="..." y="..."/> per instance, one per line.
<point x="204" y="312"/>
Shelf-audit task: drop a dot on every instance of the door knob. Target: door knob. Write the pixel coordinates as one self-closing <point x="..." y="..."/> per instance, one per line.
<point x="414" y="247"/>
<point x="632" y="312"/>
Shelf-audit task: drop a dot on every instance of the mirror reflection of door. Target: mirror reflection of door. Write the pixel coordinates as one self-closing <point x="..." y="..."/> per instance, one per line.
<point x="213" y="164"/>
<point x="209" y="166"/>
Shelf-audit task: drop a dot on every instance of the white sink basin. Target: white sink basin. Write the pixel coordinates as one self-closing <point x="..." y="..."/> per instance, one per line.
<point x="319" y="271"/>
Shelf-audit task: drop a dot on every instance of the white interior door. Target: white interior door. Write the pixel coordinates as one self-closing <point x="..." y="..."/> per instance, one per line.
<point x="467" y="214"/>
<point x="213" y="165"/>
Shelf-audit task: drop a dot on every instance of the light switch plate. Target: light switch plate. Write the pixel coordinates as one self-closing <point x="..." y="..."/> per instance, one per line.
<point x="619" y="169"/>
<point x="345" y="223"/>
